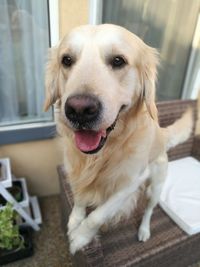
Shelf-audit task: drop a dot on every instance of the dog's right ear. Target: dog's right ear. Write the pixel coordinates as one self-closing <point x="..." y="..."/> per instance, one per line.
<point x="51" y="79"/>
<point x="149" y="63"/>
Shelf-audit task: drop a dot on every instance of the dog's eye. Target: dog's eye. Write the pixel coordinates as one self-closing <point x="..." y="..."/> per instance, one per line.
<point x="118" y="62"/>
<point x="67" y="61"/>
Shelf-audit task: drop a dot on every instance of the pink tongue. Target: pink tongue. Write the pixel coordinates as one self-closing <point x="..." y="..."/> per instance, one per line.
<point x="88" y="140"/>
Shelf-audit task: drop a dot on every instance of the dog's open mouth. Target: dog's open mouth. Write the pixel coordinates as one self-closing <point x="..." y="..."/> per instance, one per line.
<point x="89" y="141"/>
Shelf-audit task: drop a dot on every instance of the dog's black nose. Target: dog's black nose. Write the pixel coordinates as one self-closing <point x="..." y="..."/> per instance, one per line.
<point x="82" y="108"/>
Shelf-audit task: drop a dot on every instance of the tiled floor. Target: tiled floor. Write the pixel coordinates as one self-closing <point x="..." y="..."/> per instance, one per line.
<point x="49" y="243"/>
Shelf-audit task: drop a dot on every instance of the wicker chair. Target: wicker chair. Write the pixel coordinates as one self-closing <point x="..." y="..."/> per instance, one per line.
<point x="168" y="246"/>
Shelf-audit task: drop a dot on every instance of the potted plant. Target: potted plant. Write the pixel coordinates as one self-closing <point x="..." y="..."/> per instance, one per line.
<point x="15" y="240"/>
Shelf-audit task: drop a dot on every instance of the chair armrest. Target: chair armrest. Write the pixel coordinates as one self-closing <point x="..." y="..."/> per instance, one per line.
<point x="196" y="147"/>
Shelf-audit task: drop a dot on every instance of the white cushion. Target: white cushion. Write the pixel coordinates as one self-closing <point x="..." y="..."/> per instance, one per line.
<point x="180" y="197"/>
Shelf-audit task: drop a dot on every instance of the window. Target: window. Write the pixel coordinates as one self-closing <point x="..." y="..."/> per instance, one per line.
<point x="25" y="38"/>
<point x="171" y="27"/>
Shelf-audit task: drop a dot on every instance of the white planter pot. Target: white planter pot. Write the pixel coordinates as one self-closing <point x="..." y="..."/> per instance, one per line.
<point x="33" y="210"/>
<point x="36" y="210"/>
<point x="5" y="175"/>
<point x="25" y="201"/>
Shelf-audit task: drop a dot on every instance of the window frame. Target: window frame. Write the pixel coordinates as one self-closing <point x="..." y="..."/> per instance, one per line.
<point x="24" y="132"/>
<point x="95" y="12"/>
<point x="188" y="90"/>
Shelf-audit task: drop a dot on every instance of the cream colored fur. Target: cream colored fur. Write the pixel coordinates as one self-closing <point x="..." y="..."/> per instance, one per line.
<point x="135" y="150"/>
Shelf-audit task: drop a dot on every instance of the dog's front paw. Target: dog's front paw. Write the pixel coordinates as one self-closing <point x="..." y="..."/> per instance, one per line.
<point x="78" y="243"/>
<point x="81" y="236"/>
<point x="143" y="234"/>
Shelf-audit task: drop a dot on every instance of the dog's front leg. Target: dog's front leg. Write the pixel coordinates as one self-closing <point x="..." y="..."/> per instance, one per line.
<point x="158" y="174"/>
<point x="76" y="217"/>
<point x="89" y="227"/>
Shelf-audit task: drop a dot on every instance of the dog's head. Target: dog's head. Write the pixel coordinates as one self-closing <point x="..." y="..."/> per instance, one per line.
<point x="96" y="73"/>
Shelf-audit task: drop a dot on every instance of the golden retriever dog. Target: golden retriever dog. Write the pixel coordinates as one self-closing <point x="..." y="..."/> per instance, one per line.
<point x="102" y="81"/>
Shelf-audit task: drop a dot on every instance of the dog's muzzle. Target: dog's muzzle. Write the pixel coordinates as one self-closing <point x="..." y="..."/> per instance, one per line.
<point x="84" y="112"/>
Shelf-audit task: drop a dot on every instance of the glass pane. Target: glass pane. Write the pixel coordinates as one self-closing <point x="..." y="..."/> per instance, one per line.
<point x="166" y="25"/>
<point x="23" y="48"/>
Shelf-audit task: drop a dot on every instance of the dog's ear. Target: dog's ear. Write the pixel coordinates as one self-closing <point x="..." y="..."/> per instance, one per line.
<point x="51" y="79"/>
<point x="148" y="72"/>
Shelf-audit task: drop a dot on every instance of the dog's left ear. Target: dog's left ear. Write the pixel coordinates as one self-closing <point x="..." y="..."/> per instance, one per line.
<point x="51" y="79"/>
<point x="148" y="69"/>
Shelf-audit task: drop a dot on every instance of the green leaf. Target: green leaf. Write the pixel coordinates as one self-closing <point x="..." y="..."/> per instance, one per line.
<point x="9" y="231"/>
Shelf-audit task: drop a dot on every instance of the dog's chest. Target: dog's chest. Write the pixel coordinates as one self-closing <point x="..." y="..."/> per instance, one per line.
<point x="102" y="179"/>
